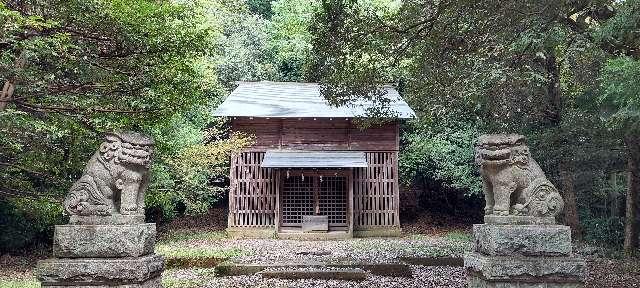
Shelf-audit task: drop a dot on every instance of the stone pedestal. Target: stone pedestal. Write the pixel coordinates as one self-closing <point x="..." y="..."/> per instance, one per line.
<point x="523" y="252"/>
<point x="101" y="255"/>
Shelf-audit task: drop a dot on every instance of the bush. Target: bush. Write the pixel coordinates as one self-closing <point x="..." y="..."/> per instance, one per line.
<point x="27" y="222"/>
<point x="606" y="232"/>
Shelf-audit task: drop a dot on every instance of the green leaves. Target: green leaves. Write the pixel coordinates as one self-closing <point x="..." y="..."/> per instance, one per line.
<point x="620" y="93"/>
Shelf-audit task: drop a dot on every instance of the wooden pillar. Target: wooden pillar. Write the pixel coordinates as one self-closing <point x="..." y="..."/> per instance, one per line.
<point x="277" y="214"/>
<point x="350" y="201"/>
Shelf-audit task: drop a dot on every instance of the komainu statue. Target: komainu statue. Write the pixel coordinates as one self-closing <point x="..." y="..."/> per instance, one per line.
<point x="513" y="182"/>
<point x="115" y="178"/>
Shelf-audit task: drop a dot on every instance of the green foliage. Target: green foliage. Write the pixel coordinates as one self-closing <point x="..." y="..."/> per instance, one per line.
<point x="607" y="232"/>
<point x="621" y="92"/>
<point x="442" y="151"/>
<point x="24" y="221"/>
<point x="290" y="37"/>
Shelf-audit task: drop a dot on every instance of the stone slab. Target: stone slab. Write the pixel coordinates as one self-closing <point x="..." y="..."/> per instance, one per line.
<point x="385" y="232"/>
<point x="526" y="269"/>
<point x="527" y="240"/>
<point x="314" y="235"/>
<point x="314" y="223"/>
<point x="380" y="269"/>
<point x="518" y="220"/>
<point x="116" y="219"/>
<point x="103" y="241"/>
<point x="99" y="271"/>
<point x="476" y="282"/>
<point x="151" y="283"/>
<point x="349" y="274"/>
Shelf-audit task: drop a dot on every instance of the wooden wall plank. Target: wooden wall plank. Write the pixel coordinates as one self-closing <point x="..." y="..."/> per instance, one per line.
<point x="319" y="134"/>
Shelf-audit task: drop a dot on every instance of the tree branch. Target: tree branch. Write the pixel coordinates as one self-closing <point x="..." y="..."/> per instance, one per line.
<point x="41" y="108"/>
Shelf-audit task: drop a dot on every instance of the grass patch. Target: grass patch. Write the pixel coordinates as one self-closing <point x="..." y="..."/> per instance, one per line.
<point x="26" y="283"/>
<point x="180" y="236"/>
<point x="177" y="256"/>
<point x="174" y="251"/>
<point x="458" y="236"/>
<point x="187" y="278"/>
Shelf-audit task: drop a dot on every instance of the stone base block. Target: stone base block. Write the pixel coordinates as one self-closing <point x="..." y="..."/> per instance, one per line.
<point x="125" y="272"/>
<point x="117" y="219"/>
<point x="518" y="220"/>
<point x="526" y="269"/>
<point x="477" y="282"/>
<point x="103" y="241"/>
<point x="526" y="240"/>
<point x="152" y="283"/>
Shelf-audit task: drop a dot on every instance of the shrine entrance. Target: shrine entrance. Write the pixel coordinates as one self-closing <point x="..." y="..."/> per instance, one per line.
<point x="317" y="196"/>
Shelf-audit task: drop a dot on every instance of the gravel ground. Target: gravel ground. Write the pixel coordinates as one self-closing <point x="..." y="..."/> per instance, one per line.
<point x="451" y="277"/>
<point x="264" y="251"/>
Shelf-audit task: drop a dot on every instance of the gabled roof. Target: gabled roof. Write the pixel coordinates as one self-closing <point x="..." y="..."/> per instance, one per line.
<point x="297" y="100"/>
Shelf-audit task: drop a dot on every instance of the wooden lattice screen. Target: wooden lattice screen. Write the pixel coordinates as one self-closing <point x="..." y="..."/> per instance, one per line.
<point x="297" y="199"/>
<point x="252" y="199"/>
<point x="376" y="192"/>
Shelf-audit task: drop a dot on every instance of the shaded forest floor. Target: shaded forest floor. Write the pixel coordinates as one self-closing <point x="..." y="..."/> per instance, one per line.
<point x="194" y="245"/>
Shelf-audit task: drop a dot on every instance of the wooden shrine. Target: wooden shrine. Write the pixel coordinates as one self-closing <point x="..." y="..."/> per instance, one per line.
<point x="312" y="173"/>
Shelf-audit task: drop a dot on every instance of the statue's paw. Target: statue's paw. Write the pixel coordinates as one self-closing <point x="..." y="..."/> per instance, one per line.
<point x="128" y="209"/>
<point x="501" y="213"/>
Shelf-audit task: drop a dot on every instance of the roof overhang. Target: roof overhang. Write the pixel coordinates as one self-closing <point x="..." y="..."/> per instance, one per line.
<point x="266" y="99"/>
<point x="313" y="159"/>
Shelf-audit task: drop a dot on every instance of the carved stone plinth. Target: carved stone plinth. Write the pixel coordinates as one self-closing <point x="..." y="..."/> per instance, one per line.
<point x="103" y="241"/>
<point x="107" y="243"/>
<point x="102" y="256"/>
<point x="506" y="256"/>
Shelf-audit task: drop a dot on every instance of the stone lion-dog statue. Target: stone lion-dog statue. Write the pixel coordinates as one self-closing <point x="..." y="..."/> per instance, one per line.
<point x="513" y="182"/>
<point x="115" y="178"/>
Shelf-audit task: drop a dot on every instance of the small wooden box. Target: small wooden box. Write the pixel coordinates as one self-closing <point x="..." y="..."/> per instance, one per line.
<point x="315" y="224"/>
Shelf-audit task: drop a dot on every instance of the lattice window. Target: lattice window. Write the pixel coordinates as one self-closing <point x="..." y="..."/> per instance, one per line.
<point x="252" y="196"/>
<point x="297" y="199"/>
<point x="376" y="192"/>
<point x="333" y="199"/>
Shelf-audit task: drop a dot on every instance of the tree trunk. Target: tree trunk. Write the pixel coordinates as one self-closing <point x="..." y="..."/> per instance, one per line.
<point x="571" y="217"/>
<point x="631" y="219"/>
<point x="6" y="94"/>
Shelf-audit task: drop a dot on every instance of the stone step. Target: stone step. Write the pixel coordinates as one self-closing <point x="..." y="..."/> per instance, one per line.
<point x="348" y="274"/>
<point x="380" y="269"/>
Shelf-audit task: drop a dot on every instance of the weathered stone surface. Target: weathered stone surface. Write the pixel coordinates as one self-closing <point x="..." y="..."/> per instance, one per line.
<point x="527" y="240"/>
<point x="120" y="168"/>
<point x="315" y="223"/>
<point x="477" y="282"/>
<point x="116" y="219"/>
<point x="526" y="269"/>
<point x="513" y="183"/>
<point x="95" y="271"/>
<point x="518" y="220"/>
<point x="152" y="283"/>
<point x="353" y="274"/>
<point x="103" y="241"/>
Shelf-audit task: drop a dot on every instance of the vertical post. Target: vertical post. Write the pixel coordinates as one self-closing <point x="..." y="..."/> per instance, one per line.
<point x="350" y="201"/>
<point x="277" y="212"/>
<point x="396" y="188"/>
<point x="316" y="196"/>
<point x="232" y="187"/>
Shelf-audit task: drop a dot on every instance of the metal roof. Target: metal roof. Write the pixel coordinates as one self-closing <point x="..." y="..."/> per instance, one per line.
<point x="307" y="159"/>
<point x="297" y="100"/>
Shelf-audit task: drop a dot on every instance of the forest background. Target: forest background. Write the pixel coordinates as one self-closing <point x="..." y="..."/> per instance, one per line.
<point x="563" y="73"/>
